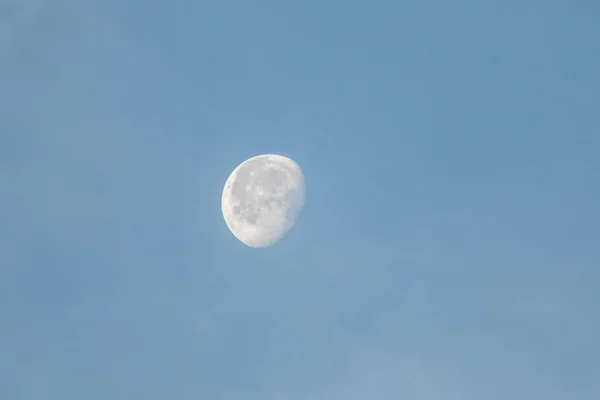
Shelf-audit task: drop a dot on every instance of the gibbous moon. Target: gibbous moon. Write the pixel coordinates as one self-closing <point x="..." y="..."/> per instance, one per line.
<point x="262" y="199"/>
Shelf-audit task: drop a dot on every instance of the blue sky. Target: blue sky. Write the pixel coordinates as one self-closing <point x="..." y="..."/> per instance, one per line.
<point x="449" y="246"/>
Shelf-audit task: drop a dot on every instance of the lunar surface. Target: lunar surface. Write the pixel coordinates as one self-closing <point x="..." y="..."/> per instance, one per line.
<point x="262" y="199"/>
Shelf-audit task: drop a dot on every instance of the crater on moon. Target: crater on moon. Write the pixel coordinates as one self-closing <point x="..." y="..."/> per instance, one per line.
<point x="262" y="199"/>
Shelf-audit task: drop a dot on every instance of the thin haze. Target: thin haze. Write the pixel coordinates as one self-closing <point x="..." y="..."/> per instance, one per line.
<point x="450" y="242"/>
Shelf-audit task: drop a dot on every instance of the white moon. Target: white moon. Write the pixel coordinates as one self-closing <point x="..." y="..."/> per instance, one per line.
<point x="262" y="199"/>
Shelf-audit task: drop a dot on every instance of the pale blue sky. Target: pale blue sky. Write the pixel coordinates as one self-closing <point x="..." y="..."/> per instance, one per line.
<point x="449" y="248"/>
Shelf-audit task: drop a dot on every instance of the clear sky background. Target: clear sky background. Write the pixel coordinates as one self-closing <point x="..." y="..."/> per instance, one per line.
<point x="449" y="248"/>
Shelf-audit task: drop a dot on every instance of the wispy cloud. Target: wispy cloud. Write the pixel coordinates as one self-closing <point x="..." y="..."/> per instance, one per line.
<point x="117" y="277"/>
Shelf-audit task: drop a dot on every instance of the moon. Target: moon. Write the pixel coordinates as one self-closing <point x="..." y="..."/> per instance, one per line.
<point x="262" y="199"/>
